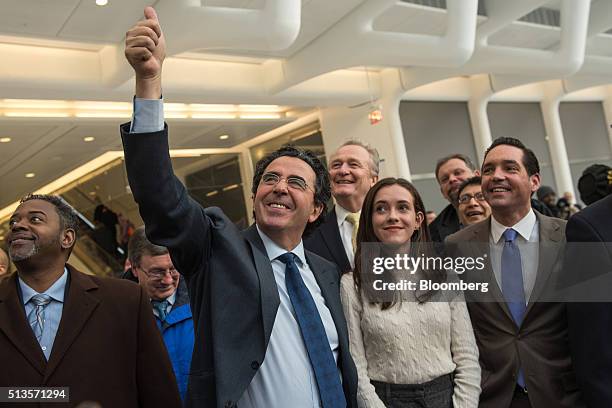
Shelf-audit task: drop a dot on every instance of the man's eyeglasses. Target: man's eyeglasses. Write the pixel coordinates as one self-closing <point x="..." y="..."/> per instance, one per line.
<point x="465" y="198"/>
<point x="294" y="182"/>
<point x="159" y="274"/>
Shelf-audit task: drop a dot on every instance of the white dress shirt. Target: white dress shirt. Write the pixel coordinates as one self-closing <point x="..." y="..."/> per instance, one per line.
<point x="286" y="378"/>
<point x="346" y="233"/>
<point x="527" y="241"/>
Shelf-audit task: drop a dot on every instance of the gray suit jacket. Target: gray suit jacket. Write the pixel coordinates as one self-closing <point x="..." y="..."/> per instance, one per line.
<point x="234" y="298"/>
<point x="540" y="345"/>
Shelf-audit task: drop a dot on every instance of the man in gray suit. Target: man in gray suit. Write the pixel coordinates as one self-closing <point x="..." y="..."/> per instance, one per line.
<point x="522" y="336"/>
<point x="269" y="327"/>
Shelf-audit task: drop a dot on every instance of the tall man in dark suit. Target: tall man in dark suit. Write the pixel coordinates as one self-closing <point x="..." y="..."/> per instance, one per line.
<point x="269" y="327"/>
<point x="353" y="169"/>
<point x="590" y="315"/>
<point x="62" y="328"/>
<point x="521" y="335"/>
<point x="450" y="172"/>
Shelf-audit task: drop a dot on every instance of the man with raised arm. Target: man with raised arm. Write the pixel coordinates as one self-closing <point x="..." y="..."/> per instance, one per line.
<point x="269" y="328"/>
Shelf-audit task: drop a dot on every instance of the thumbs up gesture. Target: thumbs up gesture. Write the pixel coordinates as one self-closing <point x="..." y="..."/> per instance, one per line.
<point x="145" y="50"/>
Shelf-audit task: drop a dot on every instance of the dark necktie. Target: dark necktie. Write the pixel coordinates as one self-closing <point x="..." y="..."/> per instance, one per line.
<point x="315" y="338"/>
<point x="36" y="317"/>
<point x="161" y="306"/>
<point x="512" y="283"/>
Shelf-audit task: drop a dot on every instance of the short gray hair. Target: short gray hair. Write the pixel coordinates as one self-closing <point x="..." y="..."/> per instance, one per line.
<point x="139" y="245"/>
<point x="374" y="157"/>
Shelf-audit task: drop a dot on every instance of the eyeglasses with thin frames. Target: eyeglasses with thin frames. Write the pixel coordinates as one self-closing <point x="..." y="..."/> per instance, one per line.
<point x="293" y="182"/>
<point x="159" y="273"/>
<point x="465" y="198"/>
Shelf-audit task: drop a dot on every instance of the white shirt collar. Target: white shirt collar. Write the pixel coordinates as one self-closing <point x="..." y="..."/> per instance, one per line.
<point x="341" y="214"/>
<point x="274" y="251"/>
<point x="524" y="227"/>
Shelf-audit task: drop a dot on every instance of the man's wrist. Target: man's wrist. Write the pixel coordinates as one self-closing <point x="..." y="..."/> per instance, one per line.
<point x="149" y="88"/>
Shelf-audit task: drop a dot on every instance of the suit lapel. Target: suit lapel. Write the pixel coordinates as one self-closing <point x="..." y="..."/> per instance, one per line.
<point x="551" y="235"/>
<point x="482" y="234"/>
<point x="267" y="284"/>
<point x="331" y="235"/>
<point x="328" y="283"/>
<point x="78" y="307"/>
<point x="15" y="325"/>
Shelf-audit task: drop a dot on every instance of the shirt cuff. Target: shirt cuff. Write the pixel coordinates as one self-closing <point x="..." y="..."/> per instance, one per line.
<point x="148" y="115"/>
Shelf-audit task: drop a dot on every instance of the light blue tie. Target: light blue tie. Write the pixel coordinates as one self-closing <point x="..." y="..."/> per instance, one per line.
<point x="36" y="317"/>
<point x="512" y="283"/>
<point x="162" y="307"/>
<point x="315" y="338"/>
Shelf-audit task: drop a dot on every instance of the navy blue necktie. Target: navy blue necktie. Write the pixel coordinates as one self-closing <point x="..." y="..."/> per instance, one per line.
<point x="512" y="283"/>
<point x="315" y="338"/>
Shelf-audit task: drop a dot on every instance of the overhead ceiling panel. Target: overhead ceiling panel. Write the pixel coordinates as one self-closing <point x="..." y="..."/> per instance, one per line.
<point x="412" y="18"/>
<point x="527" y="35"/>
<point x="600" y="45"/>
<point x="317" y="17"/>
<point x="107" y="24"/>
<point x="249" y="4"/>
<point x="22" y="136"/>
<point x="35" y="17"/>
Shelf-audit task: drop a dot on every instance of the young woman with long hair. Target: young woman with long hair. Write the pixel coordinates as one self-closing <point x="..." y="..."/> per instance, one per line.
<point x="415" y="348"/>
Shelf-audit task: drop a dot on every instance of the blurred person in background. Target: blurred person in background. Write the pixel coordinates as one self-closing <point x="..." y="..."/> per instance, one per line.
<point x="450" y="172"/>
<point x="152" y="266"/>
<point x="4" y="265"/>
<point x="595" y="183"/>
<point x="472" y="206"/>
<point x="430" y="216"/>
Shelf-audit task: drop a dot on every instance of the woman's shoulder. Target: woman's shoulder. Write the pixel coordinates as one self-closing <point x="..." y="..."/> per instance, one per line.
<point x="347" y="284"/>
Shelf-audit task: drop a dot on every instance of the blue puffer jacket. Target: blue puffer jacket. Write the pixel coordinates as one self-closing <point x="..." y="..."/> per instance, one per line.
<point x="177" y="331"/>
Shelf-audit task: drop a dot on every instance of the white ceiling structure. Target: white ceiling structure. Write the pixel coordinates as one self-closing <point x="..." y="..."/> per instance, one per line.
<point x="297" y="54"/>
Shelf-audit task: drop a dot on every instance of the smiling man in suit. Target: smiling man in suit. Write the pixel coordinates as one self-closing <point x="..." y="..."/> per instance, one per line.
<point x="522" y="335"/>
<point x="62" y="328"/>
<point x="269" y="327"/>
<point x="353" y="169"/>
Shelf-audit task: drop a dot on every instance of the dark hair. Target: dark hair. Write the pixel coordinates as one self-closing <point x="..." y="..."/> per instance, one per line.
<point x="530" y="161"/>
<point x="322" y="187"/>
<point x="468" y="162"/>
<point x="366" y="234"/>
<point x="472" y="181"/>
<point x="595" y="183"/>
<point x="139" y="245"/>
<point x="67" y="215"/>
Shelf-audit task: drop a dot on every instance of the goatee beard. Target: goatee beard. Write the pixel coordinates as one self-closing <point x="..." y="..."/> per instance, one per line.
<point x="22" y="257"/>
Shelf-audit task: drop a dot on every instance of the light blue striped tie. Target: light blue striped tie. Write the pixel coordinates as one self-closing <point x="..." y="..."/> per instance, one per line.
<point x="36" y="317"/>
<point x="162" y="308"/>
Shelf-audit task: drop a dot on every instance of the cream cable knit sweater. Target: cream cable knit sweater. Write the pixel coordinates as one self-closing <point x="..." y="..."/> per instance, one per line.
<point x="411" y="343"/>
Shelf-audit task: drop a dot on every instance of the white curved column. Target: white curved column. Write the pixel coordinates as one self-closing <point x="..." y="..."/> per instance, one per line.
<point x="481" y="93"/>
<point x="554" y="132"/>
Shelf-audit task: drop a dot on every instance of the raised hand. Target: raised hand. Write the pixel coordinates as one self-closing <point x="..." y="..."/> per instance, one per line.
<point x="145" y="50"/>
